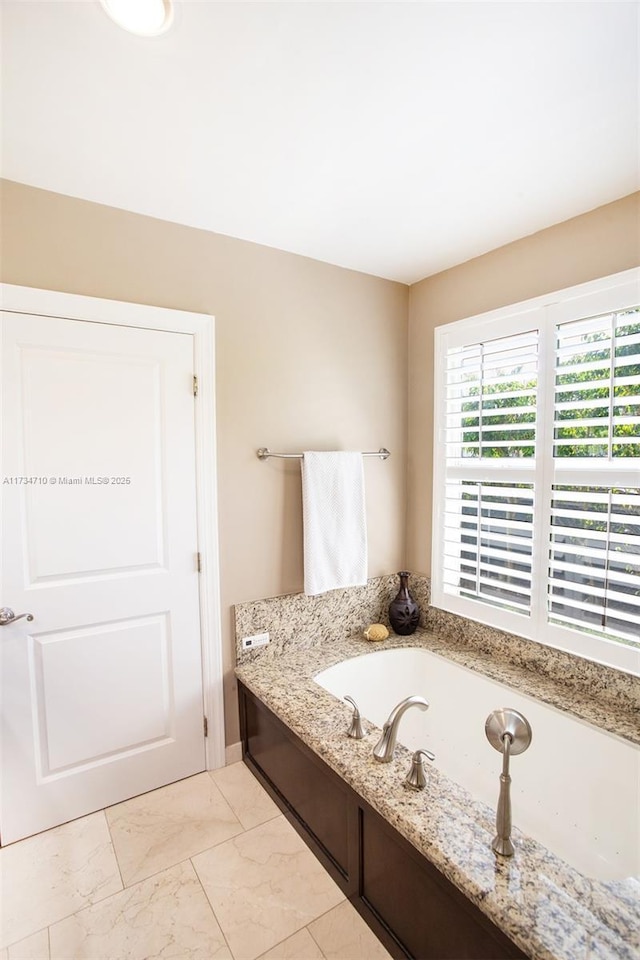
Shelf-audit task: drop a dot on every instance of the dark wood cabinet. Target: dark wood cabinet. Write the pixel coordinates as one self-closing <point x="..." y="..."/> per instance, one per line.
<point x="316" y="802"/>
<point x="414" y="910"/>
<point x="406" y="891"/>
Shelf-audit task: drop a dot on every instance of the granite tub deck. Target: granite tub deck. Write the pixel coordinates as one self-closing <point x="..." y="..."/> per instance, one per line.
<point x="550" y="910"/>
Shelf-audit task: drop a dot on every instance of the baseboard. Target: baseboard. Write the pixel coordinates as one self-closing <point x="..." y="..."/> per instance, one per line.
<point x="233" y="753"/>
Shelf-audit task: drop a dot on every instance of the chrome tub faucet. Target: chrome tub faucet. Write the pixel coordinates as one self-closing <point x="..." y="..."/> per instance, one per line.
<point x="384" y="748"/>
<point x="509" y="733"/>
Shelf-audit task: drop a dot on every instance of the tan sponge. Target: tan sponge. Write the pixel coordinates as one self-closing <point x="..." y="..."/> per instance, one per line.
<point x="377" y="631"/>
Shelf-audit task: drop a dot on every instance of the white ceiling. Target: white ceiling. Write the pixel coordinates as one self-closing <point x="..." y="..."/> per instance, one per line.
<point x="393" y="138"/>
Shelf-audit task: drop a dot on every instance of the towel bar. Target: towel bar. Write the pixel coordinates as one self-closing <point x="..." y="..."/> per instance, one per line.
<point x="264" y="453"/>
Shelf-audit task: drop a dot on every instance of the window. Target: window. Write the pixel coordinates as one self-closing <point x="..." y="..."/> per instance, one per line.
<point x="537" y="470"/>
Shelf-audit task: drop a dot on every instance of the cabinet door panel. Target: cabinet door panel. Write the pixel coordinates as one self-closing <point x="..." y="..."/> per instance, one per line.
<point x="316" y="798"/>
<point x="431" y="918"/>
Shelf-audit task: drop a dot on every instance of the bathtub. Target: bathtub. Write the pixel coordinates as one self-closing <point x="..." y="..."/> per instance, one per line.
<point x="576" y="789"/>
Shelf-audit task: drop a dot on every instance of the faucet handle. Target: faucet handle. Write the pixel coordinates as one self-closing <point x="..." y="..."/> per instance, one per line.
<point x="355" y="730"/>
<point x="416" y="778"/>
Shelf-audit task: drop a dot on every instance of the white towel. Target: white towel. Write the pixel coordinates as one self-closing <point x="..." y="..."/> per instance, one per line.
<point x="335" y="531"/>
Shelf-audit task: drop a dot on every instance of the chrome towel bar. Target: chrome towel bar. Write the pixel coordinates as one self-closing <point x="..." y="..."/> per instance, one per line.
<point x="264" y="453"/>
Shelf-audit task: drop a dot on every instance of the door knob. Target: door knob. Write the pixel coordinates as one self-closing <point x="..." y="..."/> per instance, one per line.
<point x="8" y="616"/>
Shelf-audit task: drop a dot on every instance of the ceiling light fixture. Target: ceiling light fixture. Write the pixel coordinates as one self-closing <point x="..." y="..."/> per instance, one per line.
<point x="145" y="18"/>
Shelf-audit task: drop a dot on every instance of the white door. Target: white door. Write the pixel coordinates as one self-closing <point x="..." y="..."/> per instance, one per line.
<point x="102" y="691"/>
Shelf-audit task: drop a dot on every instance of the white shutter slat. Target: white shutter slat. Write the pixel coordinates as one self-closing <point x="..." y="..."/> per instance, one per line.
<point x="627" y="339"/>
<point x="488" y="531"/>
<point x="501" y="444"/>
<point x="569" y="405"/>
<point x="594" y="560"/>
<point x="624" y="379"/>
<point x="596" y="575"/>
<point x="602" y="632"/>
<point x="593" y="622"/>
<point x="582" y="549"/>
<point x="488" y="430"/>
<point x="491" y="399"/>
<point x="580" y="422"/>
<point x="572" y="367"/>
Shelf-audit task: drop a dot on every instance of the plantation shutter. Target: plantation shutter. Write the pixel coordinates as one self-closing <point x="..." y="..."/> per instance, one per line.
<point x="490" y="414"/>
<point x="594" y="559"/>
<point x="536" y="472"/>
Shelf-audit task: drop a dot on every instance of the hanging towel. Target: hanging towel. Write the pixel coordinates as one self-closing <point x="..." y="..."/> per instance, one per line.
<point x="333" y="513"/>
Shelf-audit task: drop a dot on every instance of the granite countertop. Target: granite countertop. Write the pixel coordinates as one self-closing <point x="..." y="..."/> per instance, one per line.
<point x="550" y="910"/>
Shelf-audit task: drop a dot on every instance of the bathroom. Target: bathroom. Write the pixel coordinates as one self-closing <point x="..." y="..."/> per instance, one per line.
<point x="309" y="355"/>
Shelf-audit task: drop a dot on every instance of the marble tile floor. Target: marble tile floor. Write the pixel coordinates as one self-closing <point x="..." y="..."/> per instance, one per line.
<point x="203" y="869"/>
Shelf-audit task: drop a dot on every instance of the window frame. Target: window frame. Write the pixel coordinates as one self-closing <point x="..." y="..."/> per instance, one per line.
<point x="544" y="313"/>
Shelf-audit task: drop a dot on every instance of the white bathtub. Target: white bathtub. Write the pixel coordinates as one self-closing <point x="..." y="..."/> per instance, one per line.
<point x="576" y="789"/>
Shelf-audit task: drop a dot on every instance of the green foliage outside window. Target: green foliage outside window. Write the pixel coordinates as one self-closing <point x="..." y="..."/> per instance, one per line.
<point x="483" y="411"/>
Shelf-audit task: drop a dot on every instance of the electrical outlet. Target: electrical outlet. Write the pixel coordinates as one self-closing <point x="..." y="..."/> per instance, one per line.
<point x="257" y="640"/>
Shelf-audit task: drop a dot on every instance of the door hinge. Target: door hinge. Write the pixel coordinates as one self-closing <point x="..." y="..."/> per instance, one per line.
<point x="195" y="386"/>
<point x="199" y="562"/>
<point x="206" y="726"/>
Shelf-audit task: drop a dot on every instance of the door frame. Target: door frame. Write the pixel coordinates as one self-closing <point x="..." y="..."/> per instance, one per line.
<point x="71" y="306"/>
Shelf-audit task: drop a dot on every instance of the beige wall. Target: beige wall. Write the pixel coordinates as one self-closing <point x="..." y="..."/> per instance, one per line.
<point x="308" y="356"/>
<point x="602" y="242"/>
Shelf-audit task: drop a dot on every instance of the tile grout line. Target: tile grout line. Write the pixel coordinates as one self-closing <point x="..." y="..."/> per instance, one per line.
<point x="10" y="946"/>
<point x="86" y="906"/>
<point x="124" y="886"/>
<point x="189" y="859"/>
<point x="196" y="853"/>
<point x="118" y="893"/>
<point x="96" y="903"/>
<point x="113" y="847"/>
<point x="312" y="936"/>
<point x="304" y="927"/>
<point x="277" y="813"/>
<point x="215" y="916"/>
<point x="295" y="933"/>
<point x="156" y="873"/>
<point x="345" y="900"/>
<point x="253" y="826"/>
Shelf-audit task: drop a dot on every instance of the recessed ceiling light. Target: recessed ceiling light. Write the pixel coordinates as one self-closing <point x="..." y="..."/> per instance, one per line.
<point x="146" y="18"/>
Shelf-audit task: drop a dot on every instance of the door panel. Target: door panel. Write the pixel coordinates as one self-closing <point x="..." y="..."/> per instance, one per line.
<point x="68" y="668"/>
<point x="91" y="444"/>
<point x="102" y="692"/>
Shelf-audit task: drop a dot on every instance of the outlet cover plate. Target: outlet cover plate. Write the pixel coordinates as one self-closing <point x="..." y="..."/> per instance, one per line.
<point x="257" y="640"/>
